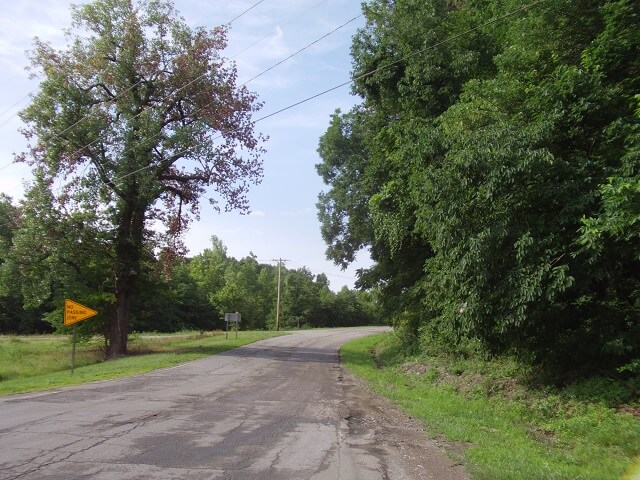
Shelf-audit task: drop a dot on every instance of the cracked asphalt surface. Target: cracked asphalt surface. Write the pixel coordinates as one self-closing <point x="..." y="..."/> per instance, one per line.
<point x="277" y="409"/>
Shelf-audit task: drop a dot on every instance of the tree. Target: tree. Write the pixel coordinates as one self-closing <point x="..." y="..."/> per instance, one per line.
<point x="135" y="119"/>
<point x="13" y="317"/>
<point x="242" y="292"/>
<point x="374" y="155"/>
<point x="526" y="151"/>
<point x="299" y="296"/>
<point x="75" y="260"/>
<point x="491" y="171"/>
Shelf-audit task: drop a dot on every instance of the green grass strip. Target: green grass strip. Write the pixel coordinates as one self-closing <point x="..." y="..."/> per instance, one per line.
<point x="530" y="437"/>
<point x="31" y="364"/>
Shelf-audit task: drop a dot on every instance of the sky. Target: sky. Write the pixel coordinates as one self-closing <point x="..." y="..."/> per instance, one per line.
<point x="283" y="220"/>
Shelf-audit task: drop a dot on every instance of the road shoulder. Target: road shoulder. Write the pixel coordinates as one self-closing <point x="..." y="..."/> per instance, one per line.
<point x="398" y="440"/>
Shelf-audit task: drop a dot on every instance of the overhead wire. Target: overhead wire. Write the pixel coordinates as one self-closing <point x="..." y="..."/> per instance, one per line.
<point x="372" y="72"/>
<point x="302" y="49"/>
<point x="286" y="22"/>
<point x="406" y="57"/>
<point x="243" y="13"/>
<point x="9" y="118"/>
<point x="128" y="89"/>
<point x="369" y="73"/>
<point x="119" y="95"/>
<point x="243" y="84"/>
<point x="315" y="272"/>
<point x="11" y="107"/>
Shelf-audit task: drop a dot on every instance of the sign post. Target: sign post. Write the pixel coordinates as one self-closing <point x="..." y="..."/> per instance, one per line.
<point x="73" y="349"/>
<point x="232" y="318"/>
<point x="75" y="312"/>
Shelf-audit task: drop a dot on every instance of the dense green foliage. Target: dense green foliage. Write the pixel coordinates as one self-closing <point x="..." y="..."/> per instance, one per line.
<point x="135" y="119"/>
<point x="496" y="418"/>
<point x="14" y="316"/>
<point x="193" y="294"/>
<point x="491" y="169"/>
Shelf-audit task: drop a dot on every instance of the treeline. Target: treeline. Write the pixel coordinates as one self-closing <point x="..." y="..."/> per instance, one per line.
<point x="492" y="170"/>
<point x="42" y="262"/>
<point x="201" y="289"/>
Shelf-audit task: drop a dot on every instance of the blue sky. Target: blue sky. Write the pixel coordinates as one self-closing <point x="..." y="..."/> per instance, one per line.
<point x="283" y="222"/>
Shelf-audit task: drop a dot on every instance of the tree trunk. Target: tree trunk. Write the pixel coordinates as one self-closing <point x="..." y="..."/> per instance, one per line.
<point x="119" y="332"/>
<point x="129" y="244"/>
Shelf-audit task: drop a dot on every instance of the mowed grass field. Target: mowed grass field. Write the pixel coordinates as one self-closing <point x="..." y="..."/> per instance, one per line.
<point x="499" y="425"/>
<point x="36" y="363"/>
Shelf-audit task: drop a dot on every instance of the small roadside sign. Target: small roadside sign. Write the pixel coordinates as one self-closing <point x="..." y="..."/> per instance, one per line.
<point x="75" y="312"/>
<point x="232" y="318"/>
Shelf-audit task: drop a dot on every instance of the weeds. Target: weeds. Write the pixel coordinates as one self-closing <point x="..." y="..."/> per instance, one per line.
<point x="515" y="428"/>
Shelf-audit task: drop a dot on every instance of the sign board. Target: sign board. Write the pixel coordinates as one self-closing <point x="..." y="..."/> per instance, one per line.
<point x="75" y="312"/>
<point x="232" y="318"/>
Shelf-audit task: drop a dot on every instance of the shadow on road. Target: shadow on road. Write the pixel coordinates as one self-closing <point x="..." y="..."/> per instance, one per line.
<point x="285" y="354"/>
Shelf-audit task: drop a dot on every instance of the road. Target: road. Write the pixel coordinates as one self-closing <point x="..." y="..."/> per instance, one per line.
<point x="277" y="409"/>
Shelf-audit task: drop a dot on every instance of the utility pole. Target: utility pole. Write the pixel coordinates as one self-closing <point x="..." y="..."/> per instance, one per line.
<point x="280" y="261"/>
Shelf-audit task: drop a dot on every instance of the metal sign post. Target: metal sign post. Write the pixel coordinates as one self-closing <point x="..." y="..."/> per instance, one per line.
<point x="73" y="349"/>
<point x="232" y="318"/>
<point x="75" y="312"/>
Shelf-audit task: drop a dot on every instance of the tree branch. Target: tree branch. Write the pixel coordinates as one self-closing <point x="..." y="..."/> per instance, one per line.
<point x="101" y="85"/>
<point x="101" y="170"/>
<point x="186" y="178"/>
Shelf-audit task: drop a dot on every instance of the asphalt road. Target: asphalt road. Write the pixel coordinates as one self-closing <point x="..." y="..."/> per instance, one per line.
<point x="277" y="409"/>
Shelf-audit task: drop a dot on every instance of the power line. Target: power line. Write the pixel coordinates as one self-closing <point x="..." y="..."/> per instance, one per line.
<point x="286" y="22"/>
<point x="122" y="177"/>
<point x="315" y="272"/>
<point x="251" y="79"/>
<point x="111" y="100"/>
<point x="7" y="165"/>
<point x="247" y="10"/>
<point x="406" y="57"/>
<point x="11" y="108"/>
<point x="302" y="49"/>
<point x="363" y="75"/>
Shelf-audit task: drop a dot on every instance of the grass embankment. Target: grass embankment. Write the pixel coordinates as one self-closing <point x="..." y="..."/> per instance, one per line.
<point x="29" y="364"/>
<point x="509" y="428"/>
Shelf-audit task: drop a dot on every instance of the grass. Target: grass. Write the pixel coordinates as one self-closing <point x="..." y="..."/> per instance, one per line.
<point x="37" y="363"/>
<point x="510" y="430"/>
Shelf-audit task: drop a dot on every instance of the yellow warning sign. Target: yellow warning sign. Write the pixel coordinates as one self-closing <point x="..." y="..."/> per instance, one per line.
<point x="75" y="312"/>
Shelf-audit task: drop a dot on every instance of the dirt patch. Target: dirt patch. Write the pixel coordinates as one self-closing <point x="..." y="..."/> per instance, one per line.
<point x="546" y="437"/>
<point x="375" y="355"/>
<point x="635" y="411"/>
<point x="416" y="368"/>
<point x="400" y="441"/>
<point x="467" y="383"/>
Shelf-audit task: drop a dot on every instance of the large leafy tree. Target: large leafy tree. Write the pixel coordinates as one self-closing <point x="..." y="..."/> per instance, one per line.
<point x="491" y="170"/>
<point x="373" y="155"/>
<point x="74" y="261"/>
<point x="243" y="292"/>
<point x="526" y="151"/>
<point x="13" y="318"/>
<point x="134" y="120"/>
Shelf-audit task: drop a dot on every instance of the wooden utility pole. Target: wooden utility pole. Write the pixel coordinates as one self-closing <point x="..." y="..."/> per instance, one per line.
<point x="280" y="261"/>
